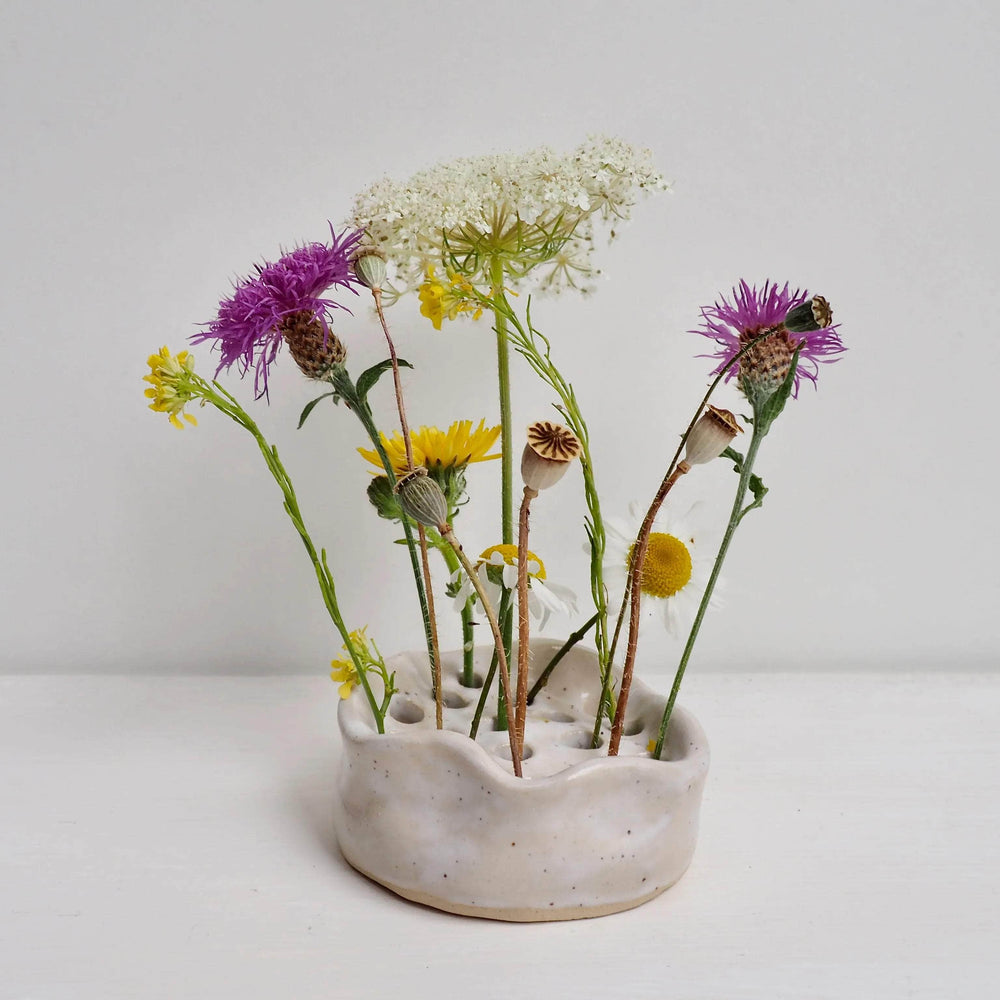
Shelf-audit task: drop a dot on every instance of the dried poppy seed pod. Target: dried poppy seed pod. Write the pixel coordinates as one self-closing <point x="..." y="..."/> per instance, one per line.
<point x="422" y="499"/>
<point x="547" y="455"/>
<point x="314" y="349"/>
<point x="711" y="436"/>
<point x="368" y="263"/>
<point x="813" y="314"/>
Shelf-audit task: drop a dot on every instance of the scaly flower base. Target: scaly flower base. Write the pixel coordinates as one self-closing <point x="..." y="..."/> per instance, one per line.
<point x="441" y="820"/>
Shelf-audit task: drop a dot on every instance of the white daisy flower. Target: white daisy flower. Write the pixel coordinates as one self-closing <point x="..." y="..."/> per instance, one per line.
<point x="497" y="570"/>
<point x="675" y="573"/>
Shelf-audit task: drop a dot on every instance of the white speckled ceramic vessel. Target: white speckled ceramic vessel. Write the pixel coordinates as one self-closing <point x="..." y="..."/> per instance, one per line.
<point x="441" y="819"/>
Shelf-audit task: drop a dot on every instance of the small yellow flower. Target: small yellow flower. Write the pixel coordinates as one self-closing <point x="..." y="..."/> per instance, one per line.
<point x="440" y="301"/>
<point x="434" y="448"/>
<point x="171" y="390"/>
<point x="344" y="674"/>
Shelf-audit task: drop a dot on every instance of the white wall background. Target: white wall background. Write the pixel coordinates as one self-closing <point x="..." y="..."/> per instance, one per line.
<point x="151" y="152"/>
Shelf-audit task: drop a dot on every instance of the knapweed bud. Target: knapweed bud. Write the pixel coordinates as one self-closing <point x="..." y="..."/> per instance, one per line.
<point x="368" y="263"/>
<point x="314" y="349"/>
<point x="422" y="499"/>
<point x="711" y="436"/>
<point x="808" y="317"/>
<point x="547" y="455"/>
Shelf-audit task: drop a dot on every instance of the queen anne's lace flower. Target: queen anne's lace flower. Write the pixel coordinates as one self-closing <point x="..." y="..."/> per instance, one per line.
<point x="538" y="208"/>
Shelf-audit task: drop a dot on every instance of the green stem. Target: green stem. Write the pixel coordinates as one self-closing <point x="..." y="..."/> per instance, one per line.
<point x="503" y="385"/>
<point x="228" y="404"/>
<point x="505" y="614"/>
<point x="506" y="457"/>
<point x="468" y="678"/>
<point x="525" y="339"/>
<point x="341" y="381"/>
<point x="543" y="677"/>
<point x="734" y="519"/>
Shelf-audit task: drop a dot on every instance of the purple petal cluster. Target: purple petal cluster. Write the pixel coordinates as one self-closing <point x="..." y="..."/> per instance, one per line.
<point x="248" y="329"/>
<point x="753" y="310"/>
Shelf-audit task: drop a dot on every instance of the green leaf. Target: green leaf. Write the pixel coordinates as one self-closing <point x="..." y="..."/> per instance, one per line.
<point x="310" y="406"/>
<point x="384" y="500"/>
<point x="734" y="456"/>
<point x="759" y="491"/>
<point x="368" y="378"/>
<point x="771" y="409"/>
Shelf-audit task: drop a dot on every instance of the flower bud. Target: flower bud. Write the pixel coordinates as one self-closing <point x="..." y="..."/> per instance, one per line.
<point x="314" y="348"/>
<point x="811" y="315"/>
<point x="422" y="499"/>
<point x="547" y="455"/>
<point x="368" y="263"/>
<point x="711" y="436"/>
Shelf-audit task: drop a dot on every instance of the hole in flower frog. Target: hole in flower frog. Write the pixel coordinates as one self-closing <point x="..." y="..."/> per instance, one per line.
<point x="580" y="739"/>
<point x="555" y="716"/>
<point x="406" y="712"/>
<point x="452" y="699"/>
<point x="477" y="681"/>
<point x="634" y="726"/>
<point x="504" y="752"/>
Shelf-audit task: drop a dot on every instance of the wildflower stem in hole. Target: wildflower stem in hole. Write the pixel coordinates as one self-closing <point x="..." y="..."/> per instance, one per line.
<point x="523" y="624"/>
<point x="635" y="585"/>
<point x="449" y="536"/>
<point x="421" y="532"/>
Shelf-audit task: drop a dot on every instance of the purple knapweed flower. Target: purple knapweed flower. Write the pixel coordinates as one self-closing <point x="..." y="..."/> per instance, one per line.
<point x="249" y="328"/>
<point x="754" y="311"/>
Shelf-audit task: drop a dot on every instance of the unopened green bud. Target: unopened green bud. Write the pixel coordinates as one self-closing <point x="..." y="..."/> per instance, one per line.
<point x="422" y="499"/>
<point x="811" y="315"/>
<point x="369" y="266"/>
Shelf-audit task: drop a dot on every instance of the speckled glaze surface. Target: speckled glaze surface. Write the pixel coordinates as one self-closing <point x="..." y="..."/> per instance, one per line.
<point x="441" y="819"/>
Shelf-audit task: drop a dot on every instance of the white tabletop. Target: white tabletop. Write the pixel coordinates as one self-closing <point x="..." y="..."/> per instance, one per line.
<point x="171" y="838"/>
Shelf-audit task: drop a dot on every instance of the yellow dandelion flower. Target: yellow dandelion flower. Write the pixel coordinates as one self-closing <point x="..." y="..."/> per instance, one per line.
<point x="170" y="385"/>
<point x="440" y="301"/>
<point x="433" y="448"/>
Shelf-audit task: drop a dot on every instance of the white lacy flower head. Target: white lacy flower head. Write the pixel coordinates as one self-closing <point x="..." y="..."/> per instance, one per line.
<point x="675" y="573"/>
<point x="497" y="569"/>
<point x="537" y="208"/>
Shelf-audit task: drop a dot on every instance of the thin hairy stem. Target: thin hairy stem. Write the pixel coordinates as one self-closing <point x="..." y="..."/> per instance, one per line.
<point x="635" y="576"/>
<point x="449" y="536"/>
<point x="523" y="623"/>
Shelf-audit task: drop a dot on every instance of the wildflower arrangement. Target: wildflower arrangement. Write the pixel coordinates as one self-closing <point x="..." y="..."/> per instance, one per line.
<point x="475" y="240"/>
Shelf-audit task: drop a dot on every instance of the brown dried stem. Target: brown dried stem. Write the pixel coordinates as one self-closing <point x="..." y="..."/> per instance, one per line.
<point x="635" y="585"/>
<point x="421" y="534"/>
<point x="449" y="536"/>
<point x="523" y="624"/>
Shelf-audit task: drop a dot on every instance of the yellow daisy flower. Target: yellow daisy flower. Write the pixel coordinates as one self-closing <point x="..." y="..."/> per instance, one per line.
<point x="435" y="449"/>
<point x="169" y="378"/>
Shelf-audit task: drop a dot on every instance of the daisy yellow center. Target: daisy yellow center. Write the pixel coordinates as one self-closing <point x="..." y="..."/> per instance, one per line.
<point x="667" y="569"/>
<point x="509" y="555"/>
